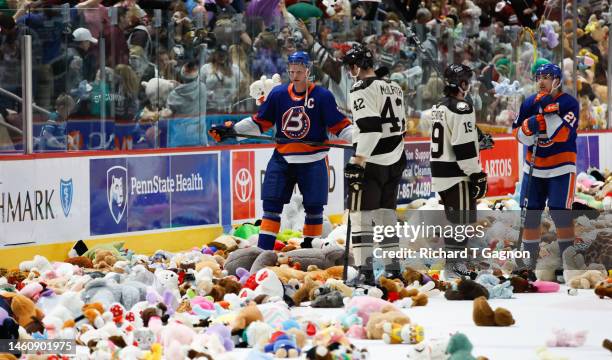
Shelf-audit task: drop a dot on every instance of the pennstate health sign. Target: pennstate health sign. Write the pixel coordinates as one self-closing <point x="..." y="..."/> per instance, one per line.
<point x="140" y="193"/>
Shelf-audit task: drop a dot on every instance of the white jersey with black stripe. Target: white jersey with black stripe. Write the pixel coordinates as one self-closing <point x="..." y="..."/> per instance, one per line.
<point x="379" y="120"/>
<point x="454" y="143"/>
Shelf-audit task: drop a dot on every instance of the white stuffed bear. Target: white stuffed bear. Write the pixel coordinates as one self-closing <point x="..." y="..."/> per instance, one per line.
<point x="504" y="88"/>
<point x="267" y="283"/>
<point x="157" y="91"/>
<point x="260" y="89"/>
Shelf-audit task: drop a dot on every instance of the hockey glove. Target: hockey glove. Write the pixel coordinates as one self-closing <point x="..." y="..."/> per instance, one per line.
<point x="222" y="131"/>
<point x="546" y="102"/>
<point x="485" y="141"/>
<point x="479" y="182"/>
<point x="534" y="124"/>
<point x="354" y="175"/>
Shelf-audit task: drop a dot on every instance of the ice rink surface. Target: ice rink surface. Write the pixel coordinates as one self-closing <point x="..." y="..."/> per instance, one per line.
<point x="536" y="316"/>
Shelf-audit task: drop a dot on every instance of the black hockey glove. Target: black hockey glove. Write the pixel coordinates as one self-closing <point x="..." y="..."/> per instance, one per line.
<point x="222" y="131"/>
<point x="354" y="175"/>
<point x="485" y="141"/>
<point x="479" y="182"/>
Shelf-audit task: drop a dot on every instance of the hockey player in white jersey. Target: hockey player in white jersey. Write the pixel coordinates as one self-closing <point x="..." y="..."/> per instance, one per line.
<point x="456" y="172"/>
<point x="375" y="170"/>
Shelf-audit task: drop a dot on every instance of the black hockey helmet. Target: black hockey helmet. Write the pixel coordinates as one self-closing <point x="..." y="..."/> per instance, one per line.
<point x="359" y="55"/>
<point x="455" y="74"/>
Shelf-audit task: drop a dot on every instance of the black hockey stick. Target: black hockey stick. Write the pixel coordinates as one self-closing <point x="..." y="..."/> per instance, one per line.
<point x="519" y="261"/>
<point x="287" y="141"/>
<point x="347" y="247"/>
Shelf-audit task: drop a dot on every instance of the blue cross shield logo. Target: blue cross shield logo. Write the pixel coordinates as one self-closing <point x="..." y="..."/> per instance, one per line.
<point x="66" y="191"/>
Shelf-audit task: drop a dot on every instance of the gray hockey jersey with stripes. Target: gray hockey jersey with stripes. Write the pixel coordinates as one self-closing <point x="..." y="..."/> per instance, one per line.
<point x="454" y="143"/>
<point x="379" y="120"/>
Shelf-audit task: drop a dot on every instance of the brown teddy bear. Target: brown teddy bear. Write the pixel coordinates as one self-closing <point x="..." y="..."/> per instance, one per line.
<point x="246" y="316"/>
<point x="395" y="290"/>
<point x="226" y="285"/>
<point x="322" y="275"/>
<point x="483" y="315"/>
<point x="104" y="260"/>
<point x="25" y="312"/>
<point x="81" y="261"/>
<point x="374" y="327"/>
<point x="306" y="291"/>
<point x="410" y="275"/>
<point x="211" y="262"/>
<point x="226" y="243"/>
<point x="604" y="289"/>
<point x="466" y="289"/>
<point x="286" y="273"/>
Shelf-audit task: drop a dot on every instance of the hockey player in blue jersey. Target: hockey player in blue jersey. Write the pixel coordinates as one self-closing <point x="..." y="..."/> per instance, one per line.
<point x="554" y="116"/>
<point x="299" y="110"/>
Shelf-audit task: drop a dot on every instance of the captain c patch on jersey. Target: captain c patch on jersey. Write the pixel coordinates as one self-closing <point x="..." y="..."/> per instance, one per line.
<point x="295" y="123"/>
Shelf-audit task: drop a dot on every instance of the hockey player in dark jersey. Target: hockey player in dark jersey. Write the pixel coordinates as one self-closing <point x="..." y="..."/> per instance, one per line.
<point x="375" y="170"/>
<point x="554" y="116"/>
<point x="456" y="171"/>
<point x="300" y="110"/>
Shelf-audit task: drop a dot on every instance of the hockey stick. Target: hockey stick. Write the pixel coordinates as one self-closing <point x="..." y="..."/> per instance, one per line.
<point x="347" y="247"/>
<point x="283" y="140"/>
<point x="520" y="261"/>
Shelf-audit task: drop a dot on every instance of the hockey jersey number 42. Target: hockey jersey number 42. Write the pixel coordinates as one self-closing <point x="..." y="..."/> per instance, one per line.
<point x="379" y="119"/>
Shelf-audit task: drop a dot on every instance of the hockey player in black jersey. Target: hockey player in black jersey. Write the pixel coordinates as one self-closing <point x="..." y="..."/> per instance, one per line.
<point x="374" y="172"/>
<point x="456" y="171"/>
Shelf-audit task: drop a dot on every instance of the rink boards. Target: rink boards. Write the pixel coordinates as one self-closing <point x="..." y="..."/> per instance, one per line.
<point x="176" y="198"/>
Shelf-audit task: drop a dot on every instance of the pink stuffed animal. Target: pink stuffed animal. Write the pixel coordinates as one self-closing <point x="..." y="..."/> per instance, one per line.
<point x="546" y="286"/>
<point x="366" y="305"/>
<point x="564" y="338"/>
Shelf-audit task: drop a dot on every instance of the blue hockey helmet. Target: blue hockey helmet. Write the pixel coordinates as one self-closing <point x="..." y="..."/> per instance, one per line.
<point x="299" y="57"/>
<point x="549" y="69"/>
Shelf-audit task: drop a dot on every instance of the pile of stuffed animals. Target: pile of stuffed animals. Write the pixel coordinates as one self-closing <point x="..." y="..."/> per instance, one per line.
<point x="228" y="294"/>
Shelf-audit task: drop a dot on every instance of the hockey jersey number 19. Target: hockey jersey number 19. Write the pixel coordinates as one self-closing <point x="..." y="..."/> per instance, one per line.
<point x="379" y="116"/>
<point x="454" y="143"/>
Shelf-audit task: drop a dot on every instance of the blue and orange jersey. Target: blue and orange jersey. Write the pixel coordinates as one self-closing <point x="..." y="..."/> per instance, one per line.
<point x="556" y="154"/>
<point x="300" y="117"/>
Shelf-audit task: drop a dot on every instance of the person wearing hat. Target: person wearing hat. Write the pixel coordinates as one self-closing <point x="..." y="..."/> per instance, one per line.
<point x="81" y="58"/>
<point x="189" y="98"/>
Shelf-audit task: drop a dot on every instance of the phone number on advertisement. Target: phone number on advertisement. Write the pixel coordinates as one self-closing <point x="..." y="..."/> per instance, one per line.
<point x="409" y="190"/>
<point x="42" y="346"/>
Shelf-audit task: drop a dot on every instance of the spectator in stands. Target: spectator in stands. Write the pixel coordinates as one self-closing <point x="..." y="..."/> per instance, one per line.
<point x="266" y="57"/>
<point x="53" y="134"/>
<point x="46" y="28"/>
<point x="80" y="60"/>
<point x="117" y="51"/>
<point x="189" y="98"/>
<point x="167" y="65"/>
<point x="222" y="81"/>
<point x="141" y="65"/>
<point x="126" y="93"/>
<point x="138" y="35"/>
